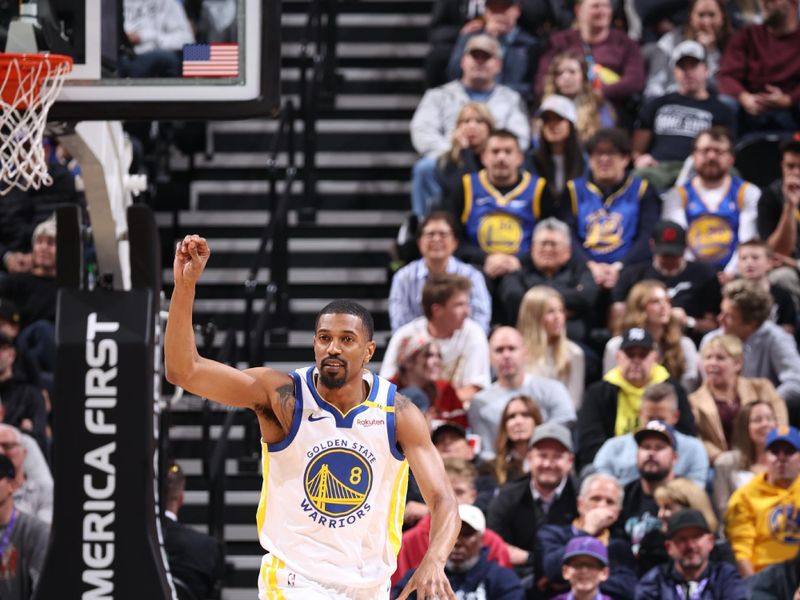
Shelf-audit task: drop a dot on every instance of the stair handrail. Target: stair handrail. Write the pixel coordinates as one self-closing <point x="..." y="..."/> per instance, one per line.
<point x="214" y="460"/>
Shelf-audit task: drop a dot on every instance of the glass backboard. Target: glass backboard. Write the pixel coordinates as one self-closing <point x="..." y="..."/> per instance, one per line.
<point x="159" y="59"/>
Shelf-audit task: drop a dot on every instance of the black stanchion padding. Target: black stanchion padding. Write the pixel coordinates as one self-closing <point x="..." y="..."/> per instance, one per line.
<point x="104" y="541"/>
<point x="69" y="258"/>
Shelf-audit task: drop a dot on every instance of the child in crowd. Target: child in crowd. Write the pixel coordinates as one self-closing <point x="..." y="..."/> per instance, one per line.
<point x="585" y="567"/>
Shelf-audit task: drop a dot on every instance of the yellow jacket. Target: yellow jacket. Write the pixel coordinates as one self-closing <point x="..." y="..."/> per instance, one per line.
<point x="762" y="522"/>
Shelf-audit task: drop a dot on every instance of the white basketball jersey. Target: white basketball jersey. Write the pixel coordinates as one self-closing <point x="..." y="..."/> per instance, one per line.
<point x="334" y="490"/>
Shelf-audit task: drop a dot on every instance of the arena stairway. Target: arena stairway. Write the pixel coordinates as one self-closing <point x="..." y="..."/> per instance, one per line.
<point x="364" y="159"/>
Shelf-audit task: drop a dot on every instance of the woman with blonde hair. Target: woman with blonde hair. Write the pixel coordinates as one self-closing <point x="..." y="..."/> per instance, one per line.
<point x="568" y="75"/>
<point x="684" y="493"/>
<point x="676" y="495"/>
<point x="474" y="124"/>
<point x="724" y="393"/>
<point x="541" y="321"/>
<point x="648" y="306"/>
<point x="748" y="456"/>
<point x="520" y="417"/>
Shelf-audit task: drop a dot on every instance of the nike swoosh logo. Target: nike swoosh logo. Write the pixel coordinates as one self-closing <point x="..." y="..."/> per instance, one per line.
<point x="312" y="418"/>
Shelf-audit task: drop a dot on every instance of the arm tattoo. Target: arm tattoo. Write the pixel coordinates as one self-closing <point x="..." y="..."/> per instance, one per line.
<point x="285" y="394"/>
<point x="401" y="403"/>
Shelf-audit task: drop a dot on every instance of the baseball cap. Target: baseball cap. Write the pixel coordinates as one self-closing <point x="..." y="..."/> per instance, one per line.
<point x="560" y="105"/>
<point x="658" y="428"/>
<point x="412" y="344"/>
<point x="7" y="467"/>
<point x="585" y="545"/>
<point x="472" y="516"/>
<point x="669" y="238"/>
<point x="688" y="48"/>
<point x="685" y="519"/>
<point x="784" y="433"/>
<point x="9" y="311"/>
<point x="483" y="42"/>
<point x="636" y="337"/>
<point x="444" y="428"/>
<point x="552" y="431"/>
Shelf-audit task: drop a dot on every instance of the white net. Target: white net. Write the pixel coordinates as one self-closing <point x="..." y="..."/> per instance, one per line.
<point x="29" y="84"/>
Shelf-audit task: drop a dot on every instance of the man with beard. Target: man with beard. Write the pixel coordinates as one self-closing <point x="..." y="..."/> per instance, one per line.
<point x="548" y="496"/>
<point x="499" y="207"/>
<point x="690" y="574"/>
<point x="760" y="70"/>
<point x="718" y="209"/>
<point x="655" y="459"/>
<point x="330" y="432"/>
<point x="761" y="522"/>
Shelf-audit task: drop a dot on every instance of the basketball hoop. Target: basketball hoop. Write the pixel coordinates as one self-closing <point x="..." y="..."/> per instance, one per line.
<point x="29" y="84"/>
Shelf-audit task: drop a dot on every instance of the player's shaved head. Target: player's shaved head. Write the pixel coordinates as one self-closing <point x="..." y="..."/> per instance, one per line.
<point x="348" y="307"/>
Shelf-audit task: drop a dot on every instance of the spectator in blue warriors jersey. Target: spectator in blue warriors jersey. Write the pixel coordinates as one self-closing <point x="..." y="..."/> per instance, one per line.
<point x="334" y="424"/>
<point x="611" y="213"/>
<point x="499" y="207"/>
<point x="717" y="209"/>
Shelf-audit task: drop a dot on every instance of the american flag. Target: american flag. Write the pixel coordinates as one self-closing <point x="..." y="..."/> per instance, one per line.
<point x="211" y="60"/>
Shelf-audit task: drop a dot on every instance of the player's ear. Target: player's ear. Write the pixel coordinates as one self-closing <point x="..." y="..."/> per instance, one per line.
<point x="371" y="346"/>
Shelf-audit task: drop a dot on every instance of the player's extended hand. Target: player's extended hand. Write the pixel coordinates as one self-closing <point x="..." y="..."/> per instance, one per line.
<point x="429" y="582"/>
<point x="191" y="256"/>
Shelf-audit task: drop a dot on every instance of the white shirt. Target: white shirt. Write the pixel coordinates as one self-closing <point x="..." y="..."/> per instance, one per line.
<point x="465" y="354"/>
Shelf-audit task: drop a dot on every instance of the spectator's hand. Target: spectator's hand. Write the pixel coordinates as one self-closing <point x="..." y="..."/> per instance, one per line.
<point x="517" y="556"/>
<point x="472" y="26"/>
<point x="791" y="191"/>
<point x="724" y="277"/>
<point x="679" y="315"/>
<point x="497" y="265"/>
<point x="460" y="136"/>
<point x="134" y="38"/>
<point x="752" y="103"/>
<point x="775" y="98"/>
<point x="612" y="275"/>
<point x="707" y="38"/>
<point x="599" y="272"/>
<point x="414" y="512"/>
<point x="644" y="160"/>
<point x="781" y="260"/>
<point x="599" y="519"/>
<point x="26" y="425"/>
<point x="796" y="594"/>
<point x="18" y="262"/>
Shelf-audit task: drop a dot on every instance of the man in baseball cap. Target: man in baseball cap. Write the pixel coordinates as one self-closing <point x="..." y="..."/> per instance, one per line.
<point x="548" y="496"/>
<point x="689" y="544"/>
<point x="761" y="526"/>
<point x="688" y="105"/>
<point x="693" y="287"/>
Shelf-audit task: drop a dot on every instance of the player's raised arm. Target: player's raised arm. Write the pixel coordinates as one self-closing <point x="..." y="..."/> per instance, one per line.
<point x="184" y="365"/>
<point x="414" y="438"/>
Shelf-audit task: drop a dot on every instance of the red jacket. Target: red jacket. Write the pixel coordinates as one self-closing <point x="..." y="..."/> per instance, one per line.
<point x="754" y="58"/>
<point x="415" y="544"/>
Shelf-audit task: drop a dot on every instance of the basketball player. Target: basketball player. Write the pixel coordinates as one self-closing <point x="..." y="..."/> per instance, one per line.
<point x="337" y="443"/>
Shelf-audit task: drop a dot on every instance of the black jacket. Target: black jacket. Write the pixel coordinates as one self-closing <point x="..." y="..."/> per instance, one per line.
<point x="574" y="282"/>
<point x="598" y="414"/>
<point x="515" y="516"/>
<point x="194" y="558"/>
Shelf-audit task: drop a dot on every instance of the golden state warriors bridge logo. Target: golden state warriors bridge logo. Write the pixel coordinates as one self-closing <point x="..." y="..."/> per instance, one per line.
<point x="337" y="482"/>
<point x="784" y="524"/>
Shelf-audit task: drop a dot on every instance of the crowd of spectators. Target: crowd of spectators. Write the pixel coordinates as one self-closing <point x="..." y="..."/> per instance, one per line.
<point x="634" y="421"/>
